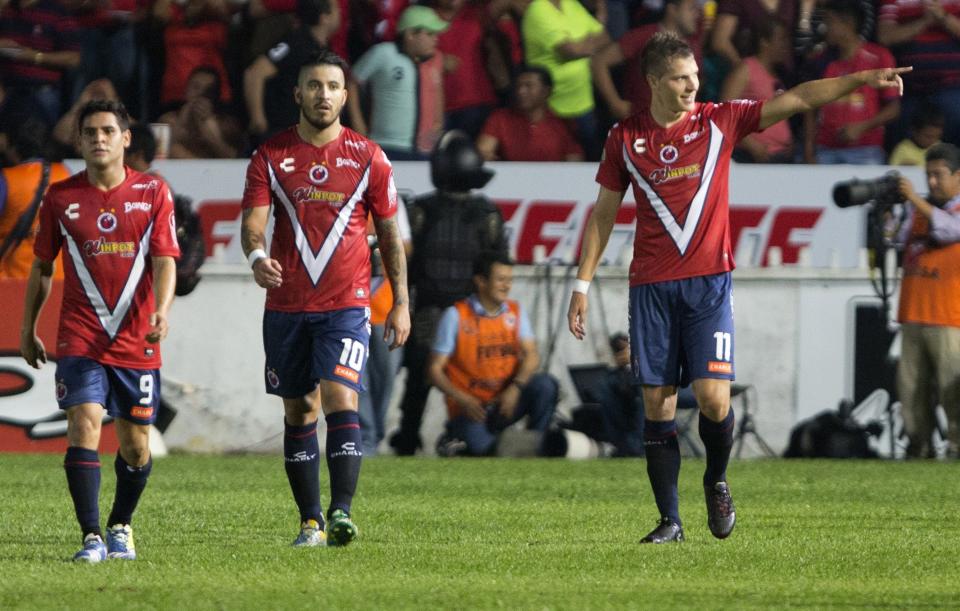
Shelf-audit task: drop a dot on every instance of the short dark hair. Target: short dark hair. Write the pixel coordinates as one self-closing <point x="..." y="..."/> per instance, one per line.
<point x="325" y="57"/>
<point x="848" y="8"/>
<point x="540" y="71"/>
<point x="214" y="91"/>
<point x="486" y="260"/>
<point x="662" y="47"/>
<point x="111" y="106"/>
<point x="926" y="114"/>
<point x="310" y="11"/>
<point x="945" y="152"/>
<point x="142" y="141"/>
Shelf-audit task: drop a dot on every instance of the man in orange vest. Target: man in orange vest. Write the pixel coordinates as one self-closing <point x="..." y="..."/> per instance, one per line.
<point x="484" y="361"/>
<point x="21" y="188"/>
<point x="930" y="304"/>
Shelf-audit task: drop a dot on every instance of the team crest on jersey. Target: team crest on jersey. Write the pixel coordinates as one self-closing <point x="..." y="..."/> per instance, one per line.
<point x="272" y="378"/>
<point x="107" y="221"/>
<point x="510" y="320"/>
<point x="61" y="390"/>
<point x="669" y="154"/>
<point x="319" y="174"/>
<point x="640" y="146"/>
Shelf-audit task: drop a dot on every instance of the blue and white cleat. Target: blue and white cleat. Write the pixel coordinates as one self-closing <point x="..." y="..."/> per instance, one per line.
<point x="311" y="535"/>
<point x="120" y="542"/>
<point x="93" y="550"/>
<point x="340" y="529"/>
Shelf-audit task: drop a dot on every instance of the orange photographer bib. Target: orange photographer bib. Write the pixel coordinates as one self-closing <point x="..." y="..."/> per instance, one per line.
<point x="930" y="291"/>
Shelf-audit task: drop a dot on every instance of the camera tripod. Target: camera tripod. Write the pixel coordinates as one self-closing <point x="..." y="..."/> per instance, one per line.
<point x="746" y="425"/>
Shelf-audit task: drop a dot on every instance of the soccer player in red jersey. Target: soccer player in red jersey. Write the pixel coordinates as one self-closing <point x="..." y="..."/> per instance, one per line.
<point x="676" y="155"/>
<point x="322" y="180"/>
<point x="117" y="230"/>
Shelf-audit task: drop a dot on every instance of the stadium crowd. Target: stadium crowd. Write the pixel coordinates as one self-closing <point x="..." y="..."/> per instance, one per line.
<point x="214" y="76"/>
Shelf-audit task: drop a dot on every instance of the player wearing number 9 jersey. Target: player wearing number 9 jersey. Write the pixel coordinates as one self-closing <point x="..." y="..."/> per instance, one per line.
<point x="322" y="181"/>
<point x="676" y="156"/>
<point x="117" y="231"/>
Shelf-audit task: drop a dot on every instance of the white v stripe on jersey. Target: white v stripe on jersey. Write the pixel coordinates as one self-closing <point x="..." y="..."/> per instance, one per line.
<point x="317" y="263"/>
<point x="110" y="320"/>
<point x="682" y="235"/>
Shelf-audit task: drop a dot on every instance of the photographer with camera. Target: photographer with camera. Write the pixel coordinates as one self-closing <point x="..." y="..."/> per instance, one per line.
<point x="930" y="303"/>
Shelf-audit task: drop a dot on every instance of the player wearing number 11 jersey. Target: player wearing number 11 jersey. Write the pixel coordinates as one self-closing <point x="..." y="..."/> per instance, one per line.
<point x="676" y="156"/>
<point x="116" y="229"/>
<point x="323" y="181"/>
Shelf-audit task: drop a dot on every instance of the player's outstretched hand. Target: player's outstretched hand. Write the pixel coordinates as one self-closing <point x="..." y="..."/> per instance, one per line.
<point x="32" y="350"/>
<point x="268" y="273"/>
<point x="158" y="328"/>
<point x="397" y="325"/>
<point x="887" y="77"/>
<point x="577" y="315"/>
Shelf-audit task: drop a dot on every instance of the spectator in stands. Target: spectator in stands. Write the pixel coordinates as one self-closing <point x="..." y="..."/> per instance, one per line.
<point x="21" y="188"/>
<point x="925" y="35"/>
<point x="680" y="17"/>
<point x="468" y="48"/>
<point x="195" y="34"/>
<point x="142" y="150"/>
<point x="561" y="36"/>
<point x="850" y="130"/>
<point x="405" y="85"/>
<point x="270" y="79"/>
<point x="201" y="129"/>
<point x="930" y="304"/>
<point x="736" y="19"/>
<point x="337" y="42"/>
<point x="529" y="131"/>
<point x="756" y="79"/>
<point x="39" y="43"/>
<point x="926" y="129"/>
<point x="485" y="362"/>
<point x="65" y="130"/>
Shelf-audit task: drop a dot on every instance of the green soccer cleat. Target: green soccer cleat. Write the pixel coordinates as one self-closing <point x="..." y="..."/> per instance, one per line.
<point x="311" y="535"/>
<point x="340" y="529"/>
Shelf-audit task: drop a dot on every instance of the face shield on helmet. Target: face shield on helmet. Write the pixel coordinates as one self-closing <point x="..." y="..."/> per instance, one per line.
<point x="456" y="165"/>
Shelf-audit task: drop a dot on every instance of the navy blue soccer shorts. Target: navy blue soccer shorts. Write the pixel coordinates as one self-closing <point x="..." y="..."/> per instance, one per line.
<point x="305" y="347"/>
<point x="131" y="394"/>
<point x="682" y="330"/>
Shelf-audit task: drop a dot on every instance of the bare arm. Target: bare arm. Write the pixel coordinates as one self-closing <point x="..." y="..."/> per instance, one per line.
<point x="266" y="271"/>
<point x="891" y="33"/>
<point x="357" y="120"/>
<point x="814" y="94"/>
<point x="595" y="238"/>
<point x="529" y="362"/>
<point x="851" y="132"/>
<point x="487" y="146"/>
<point x="38" y="289"/>
<point x="600" y="64"/>
<point x="164" y="283"/>
<point x="472" y="407"/>
<point x="254" y="80"/>
<point x="585" y="47"/>
<point x="722" y="39"/>
<point x="395" y="268"/>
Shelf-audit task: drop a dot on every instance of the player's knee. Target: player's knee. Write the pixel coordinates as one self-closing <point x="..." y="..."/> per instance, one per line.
<point x="715" y="408"/>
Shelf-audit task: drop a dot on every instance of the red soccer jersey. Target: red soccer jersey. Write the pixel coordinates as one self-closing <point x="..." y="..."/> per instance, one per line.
<point x="321" y="198"/>
<point x="680" y="182"/>
<point x="108" y="238"/>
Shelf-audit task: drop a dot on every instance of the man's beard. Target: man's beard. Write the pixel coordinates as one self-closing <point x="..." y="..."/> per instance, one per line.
<point x="317" y="123"/>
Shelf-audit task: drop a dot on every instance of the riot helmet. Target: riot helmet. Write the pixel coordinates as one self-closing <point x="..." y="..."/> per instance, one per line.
<point x="456" y="165"/>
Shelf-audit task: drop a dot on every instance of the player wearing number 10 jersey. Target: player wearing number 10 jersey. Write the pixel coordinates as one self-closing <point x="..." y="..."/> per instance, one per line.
<point x="116" y="228"/>
<point x="323" y="181"/>
<point x="676" y="156"/>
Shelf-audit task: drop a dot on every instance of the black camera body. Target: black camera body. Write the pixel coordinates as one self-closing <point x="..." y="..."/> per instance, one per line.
<point x="884" y="192"/>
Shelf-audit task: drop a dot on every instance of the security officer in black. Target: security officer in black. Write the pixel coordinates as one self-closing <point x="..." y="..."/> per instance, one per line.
<point x="451" y="227"/>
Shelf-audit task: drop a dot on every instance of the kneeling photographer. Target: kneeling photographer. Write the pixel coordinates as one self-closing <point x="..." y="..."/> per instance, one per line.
<point x="930" y="303"/>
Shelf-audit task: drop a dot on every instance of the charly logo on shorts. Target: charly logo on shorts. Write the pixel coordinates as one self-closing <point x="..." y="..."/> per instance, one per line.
<point x="272" y="378"/>
<point x="669" y="154"/>
<point x="61" y="390"/>
<point x="107" y="221"/>
<point x="319" y="174"/>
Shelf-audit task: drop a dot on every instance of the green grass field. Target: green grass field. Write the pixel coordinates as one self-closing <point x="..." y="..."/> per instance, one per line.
<point x="215" y="533"/>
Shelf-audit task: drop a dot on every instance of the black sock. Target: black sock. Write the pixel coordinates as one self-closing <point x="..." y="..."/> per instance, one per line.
<point x="130" y="484"/>
<point x="344" y="454"/>
<point x="83" y="479"/>
<point x="301" y="455"/>
<point x="663" y="465"/>
<point x="717" y="440"/>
